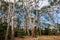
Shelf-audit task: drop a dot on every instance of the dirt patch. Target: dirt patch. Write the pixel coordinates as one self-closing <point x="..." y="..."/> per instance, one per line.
<point x="39" y="38"/>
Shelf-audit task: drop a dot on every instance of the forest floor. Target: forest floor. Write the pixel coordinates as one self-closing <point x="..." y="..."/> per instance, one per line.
<point x="39" y="38"/>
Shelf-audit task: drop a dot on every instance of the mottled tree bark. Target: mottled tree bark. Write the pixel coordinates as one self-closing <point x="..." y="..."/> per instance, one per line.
<point x="8" y="21"/>
<point x="6" y="36"/>
<point x="33" y="34"/>
<point x="12" y="28"/>
<point x="12" y="19"/>
<point x="27" y="20"/>
<point x="2" y="19"/>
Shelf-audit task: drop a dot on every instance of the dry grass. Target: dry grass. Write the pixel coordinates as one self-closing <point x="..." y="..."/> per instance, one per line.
<point x="40" y="38"/>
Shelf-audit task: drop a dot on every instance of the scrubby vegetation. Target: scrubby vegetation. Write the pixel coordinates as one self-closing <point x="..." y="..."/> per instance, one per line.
<point x="22" y="33"/>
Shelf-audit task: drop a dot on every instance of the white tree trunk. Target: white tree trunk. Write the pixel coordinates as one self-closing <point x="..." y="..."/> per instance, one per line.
<point x="8" y="21"/>
<point x="12" y="28"/>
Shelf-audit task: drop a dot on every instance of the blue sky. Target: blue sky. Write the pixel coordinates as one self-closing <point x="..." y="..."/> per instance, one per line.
<point x="56" y="19"/>
<point x="46" y="3"/>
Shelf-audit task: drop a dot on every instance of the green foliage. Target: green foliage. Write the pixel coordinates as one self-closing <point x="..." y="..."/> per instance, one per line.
<point x="55" y="0"/>
<point x="20" y="0"/>
<point x="52" y="3"/>
<point x="34" y="12"/>
<point x="4" y="6"/>
<point x="37" y="31"/>
<point x="30" y="32"/>
<point x="16" y="33"/>
<point x="20" y="33"/>
<point x="2" y="30"/>
<point x="48" y="31"/>
<point x="45" y="8"/>
<point x="9" y="33"/>
<point x="49" y="0"/>
<point x="58" y="27"/>
<point x="54" y="31"/>
<point x="3" y="27"/>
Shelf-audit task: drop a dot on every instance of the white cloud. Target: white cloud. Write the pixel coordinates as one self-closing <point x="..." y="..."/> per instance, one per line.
<point x="10" y="0"/>
<point x="43" y="3"/>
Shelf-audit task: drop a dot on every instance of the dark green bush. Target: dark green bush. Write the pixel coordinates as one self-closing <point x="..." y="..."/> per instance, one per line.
<point x="2" y="30"/>
<point x="3" y="27"/>
<point x="48" y="31"/>
<point x="20" y="33"/>
<point x="16" y="33"/>
<point x="54" y="31"/>
<point x="37" y="31"/>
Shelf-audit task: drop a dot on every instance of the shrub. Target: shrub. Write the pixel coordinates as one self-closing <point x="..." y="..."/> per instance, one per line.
<point x="2" y="30"/>
<point x="3" y="27"/>
<point x="37" y="31"/>
<point x="21" y="33"/>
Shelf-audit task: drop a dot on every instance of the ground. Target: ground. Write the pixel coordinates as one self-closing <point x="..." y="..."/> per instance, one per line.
<point x="40" y="38"/>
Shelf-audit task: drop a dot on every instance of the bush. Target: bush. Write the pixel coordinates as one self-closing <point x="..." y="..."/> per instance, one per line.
<point x="3" y="27"/>
<point x="54" y="32"/>
<point x="21" y="33"/>
<point x="46" y="31"/>
<point x="30" y="32"/>
<point x="16" y="33"/>
<point x="50" y="31"/>
<point x="37" y="31"/>
<point x="2" y="30"/>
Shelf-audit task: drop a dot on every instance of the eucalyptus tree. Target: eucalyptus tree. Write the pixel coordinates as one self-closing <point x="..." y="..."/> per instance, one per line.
<point x="3" y="9"/>
<point x="8" y="21"/>
<point x="10" y="18"/>
<point x="32" y="6"/>
<point x="39" y="25"/>
<point x="25" y="6"/>
<point x="54" y="3"/>
<point x="50" y="11"/>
